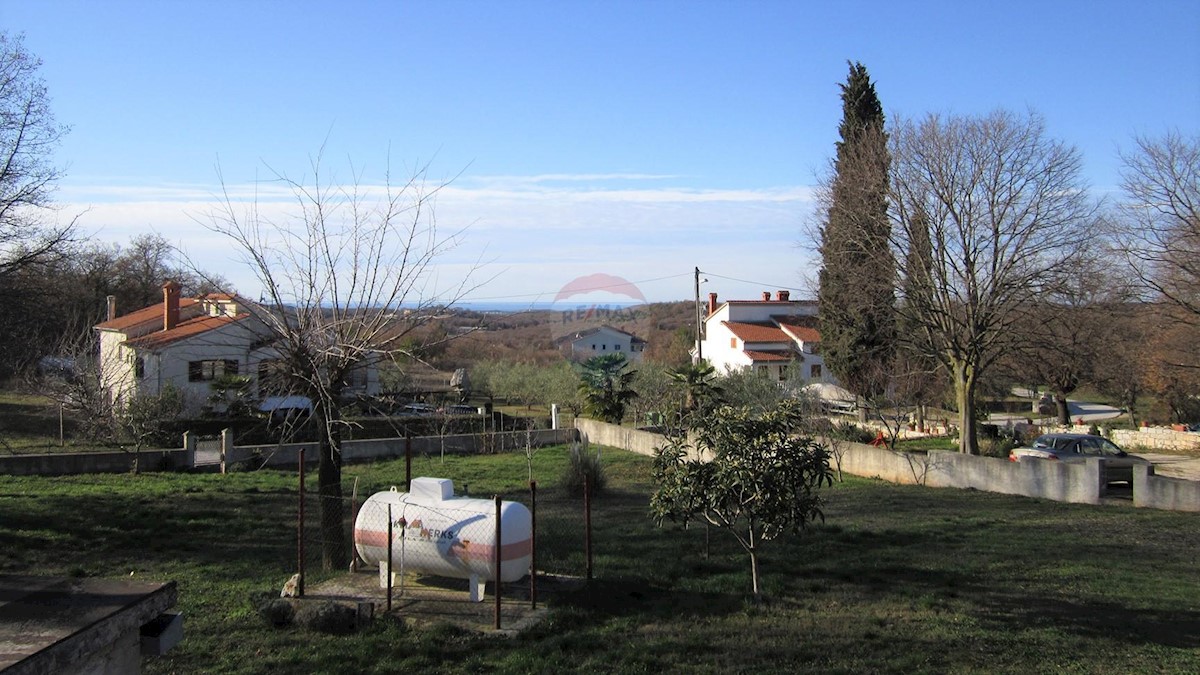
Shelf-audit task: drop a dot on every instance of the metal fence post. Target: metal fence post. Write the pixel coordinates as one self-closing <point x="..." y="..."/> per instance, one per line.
<point x="498" y="547"/>
<point x="407" y="460"/>
<point x="587" y="523"/>
<point x="389" y="560"/>
<point x="299" y="524"/>
<point x="533" y="544"/>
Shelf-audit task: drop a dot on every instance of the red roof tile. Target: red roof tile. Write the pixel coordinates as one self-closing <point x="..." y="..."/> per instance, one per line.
<point x="803" y="328"/>
<point x="756" y="332"/>
<point x="757" y="355"/>
<point x="151" y="314"/>
<point x="184" y="330"/>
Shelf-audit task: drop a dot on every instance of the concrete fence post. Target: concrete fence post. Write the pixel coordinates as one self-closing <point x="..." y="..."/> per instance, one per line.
<point x="189" y="447"/>
<point x="226" y="448"/>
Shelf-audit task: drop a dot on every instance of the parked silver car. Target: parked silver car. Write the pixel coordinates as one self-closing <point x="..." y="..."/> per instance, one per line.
<point x="1076" y="448"/>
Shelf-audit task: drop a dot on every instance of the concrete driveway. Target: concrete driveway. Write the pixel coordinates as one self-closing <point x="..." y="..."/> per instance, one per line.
<point x="1174" y="466"/>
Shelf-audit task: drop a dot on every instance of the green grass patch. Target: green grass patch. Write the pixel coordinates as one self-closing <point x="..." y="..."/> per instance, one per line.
<point x="897" y="579"/>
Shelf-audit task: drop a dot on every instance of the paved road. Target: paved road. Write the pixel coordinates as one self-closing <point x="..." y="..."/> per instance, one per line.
<point x="1088" y="412"/>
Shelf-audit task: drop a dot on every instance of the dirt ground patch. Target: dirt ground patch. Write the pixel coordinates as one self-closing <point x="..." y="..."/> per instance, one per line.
<point x="1174" y="466"/>
<point x="423" y="601"/>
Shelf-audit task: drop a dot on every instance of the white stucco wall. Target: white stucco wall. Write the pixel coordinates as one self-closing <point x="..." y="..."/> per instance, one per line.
<point x="605" y="341"/>
<point x="726" y="352"/>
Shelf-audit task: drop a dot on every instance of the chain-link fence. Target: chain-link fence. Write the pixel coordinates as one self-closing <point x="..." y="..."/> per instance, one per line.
<point x="435" y="533"/>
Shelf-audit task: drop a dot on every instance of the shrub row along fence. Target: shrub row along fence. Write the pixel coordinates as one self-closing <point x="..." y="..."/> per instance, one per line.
<point x="443" y="542"/>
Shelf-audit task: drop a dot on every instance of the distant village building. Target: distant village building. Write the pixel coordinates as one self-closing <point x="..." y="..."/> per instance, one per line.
<point x="584" y="344"/>
<point x="776" y="337"/>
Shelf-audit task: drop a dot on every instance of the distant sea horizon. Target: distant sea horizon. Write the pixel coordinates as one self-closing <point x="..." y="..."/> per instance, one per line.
<point x="559" y="306"/>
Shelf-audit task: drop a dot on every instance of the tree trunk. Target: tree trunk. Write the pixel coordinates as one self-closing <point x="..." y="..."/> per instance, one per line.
<point x="753" y="550"/>
<point x="329" y="489"/>
<point x="964" y="390"/>
<point x="1064" y="413"/>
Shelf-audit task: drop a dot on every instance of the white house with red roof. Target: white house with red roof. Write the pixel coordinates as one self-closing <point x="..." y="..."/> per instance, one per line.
<point x="602" y="340"/>
<point x="188" y="343"/>
<point x="776" y="337"/>
<point x="184" y="342"/>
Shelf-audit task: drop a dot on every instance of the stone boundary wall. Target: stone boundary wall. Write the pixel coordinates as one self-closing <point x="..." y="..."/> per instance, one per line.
<point x="1155" y="438"/>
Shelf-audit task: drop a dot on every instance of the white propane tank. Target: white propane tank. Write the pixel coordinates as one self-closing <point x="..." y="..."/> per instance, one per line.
<point x="434" y="532"/>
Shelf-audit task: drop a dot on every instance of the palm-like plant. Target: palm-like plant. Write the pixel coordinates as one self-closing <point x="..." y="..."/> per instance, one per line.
<point x="605" y="385"/>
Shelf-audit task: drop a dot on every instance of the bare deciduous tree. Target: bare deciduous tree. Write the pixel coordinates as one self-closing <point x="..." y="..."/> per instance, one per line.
<point x="999" y="207"/>
<point x="347" y="276"/>
<point x="1161" y="239"/>
<point x="28" y="135"/>
<point x="1073" y="326"/>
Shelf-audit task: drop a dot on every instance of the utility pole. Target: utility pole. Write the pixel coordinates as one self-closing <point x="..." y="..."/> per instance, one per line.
<point x="699" y="321"/>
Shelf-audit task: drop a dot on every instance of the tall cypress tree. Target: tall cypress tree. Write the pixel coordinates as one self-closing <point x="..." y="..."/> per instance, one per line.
<point x="857" y="296"/>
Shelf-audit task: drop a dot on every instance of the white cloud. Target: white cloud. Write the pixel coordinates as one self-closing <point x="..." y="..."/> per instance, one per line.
<point x="533" y="236"/>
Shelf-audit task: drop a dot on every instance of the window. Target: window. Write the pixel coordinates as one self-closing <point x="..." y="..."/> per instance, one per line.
<point x="356" y="377"/>
<point x="783" y="372"/>
<point x="206" y="371"/>
<point x="139" y="368"/>
<point x="593" y="346"/>
<point x="272" y="377"/>
<point x="617" y="347"/>
<point x="815" y="372"/>
<point x="762" y="371"/>
<point x="733" y="343"/>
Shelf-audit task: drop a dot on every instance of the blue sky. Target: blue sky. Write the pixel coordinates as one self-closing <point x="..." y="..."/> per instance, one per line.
<point x="633" y="139"/>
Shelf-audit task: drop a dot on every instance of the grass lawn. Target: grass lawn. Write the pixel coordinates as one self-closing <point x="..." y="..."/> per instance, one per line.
<point x="899" y="579"/>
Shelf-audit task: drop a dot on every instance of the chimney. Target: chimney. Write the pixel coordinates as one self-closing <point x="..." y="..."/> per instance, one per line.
<point x="766" y="296"/>
<point x="170" y="305"/>
<point x="712" y="303"/>
<point x="783" y="296"/>
<point x="112" y="307"/>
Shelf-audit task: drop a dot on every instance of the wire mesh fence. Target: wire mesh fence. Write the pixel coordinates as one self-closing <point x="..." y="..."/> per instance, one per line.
<point x="434" y="532"/>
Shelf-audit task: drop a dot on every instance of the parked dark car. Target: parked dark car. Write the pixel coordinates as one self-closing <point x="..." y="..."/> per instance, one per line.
<point x="1077" y="447"/>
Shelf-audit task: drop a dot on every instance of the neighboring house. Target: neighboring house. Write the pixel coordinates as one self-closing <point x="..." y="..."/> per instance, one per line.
<point x="584" y="344"/>
<point x="188" y="343"/>
<point x="777" y="338"/>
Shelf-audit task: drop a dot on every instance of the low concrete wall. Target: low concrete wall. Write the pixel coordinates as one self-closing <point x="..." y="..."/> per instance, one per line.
<point x="1077" y="483"/>
<point x="69" y="463"/>
<point x="616" y="436"/>
<point x="1162" y="492"/>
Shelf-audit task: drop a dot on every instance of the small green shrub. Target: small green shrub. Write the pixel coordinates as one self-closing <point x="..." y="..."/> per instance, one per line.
<point x="581" y="466"/>
<point x="849" y="431"/>
<point x="999" y="446"/>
